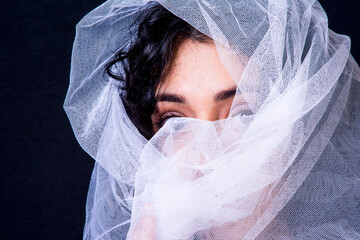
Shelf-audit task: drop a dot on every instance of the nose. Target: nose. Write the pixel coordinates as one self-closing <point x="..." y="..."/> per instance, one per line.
<point x="210" y="115"/>
<point x="207" y="116"/>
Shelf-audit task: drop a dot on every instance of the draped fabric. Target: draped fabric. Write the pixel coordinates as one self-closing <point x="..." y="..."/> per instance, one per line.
<point x="291" y="170"/>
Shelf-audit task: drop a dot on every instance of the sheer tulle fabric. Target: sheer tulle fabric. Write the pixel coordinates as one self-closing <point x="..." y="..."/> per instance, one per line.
<point x="289" y="171"/>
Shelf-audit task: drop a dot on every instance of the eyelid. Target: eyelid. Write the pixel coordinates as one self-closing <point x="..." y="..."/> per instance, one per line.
<point x="241" y="107"/>
<point x="171" y="114"/>
<point x="160" y="121"/>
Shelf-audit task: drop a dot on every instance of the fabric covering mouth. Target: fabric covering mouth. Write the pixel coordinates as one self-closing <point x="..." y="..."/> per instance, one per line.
<point x="256" y="134"/>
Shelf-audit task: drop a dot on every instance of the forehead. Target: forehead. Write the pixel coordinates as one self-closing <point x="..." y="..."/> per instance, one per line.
<point x="196" y="65"/>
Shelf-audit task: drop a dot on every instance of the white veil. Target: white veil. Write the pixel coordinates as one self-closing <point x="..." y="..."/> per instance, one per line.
<point x="289" y="171"/>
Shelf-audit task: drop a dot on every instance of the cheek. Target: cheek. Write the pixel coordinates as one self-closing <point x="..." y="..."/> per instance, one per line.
<point x="153" y="120"/>
<point x="224" y="109"/>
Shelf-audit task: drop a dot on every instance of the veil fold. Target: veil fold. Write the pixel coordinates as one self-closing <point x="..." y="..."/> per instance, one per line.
<point x="289" y="171"/>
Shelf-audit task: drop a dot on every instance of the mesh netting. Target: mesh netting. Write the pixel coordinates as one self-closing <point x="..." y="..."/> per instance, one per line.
<point x="290" y="170"/>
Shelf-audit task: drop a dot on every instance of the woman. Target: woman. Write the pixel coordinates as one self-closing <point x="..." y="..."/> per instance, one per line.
<point x="216" y="120"/>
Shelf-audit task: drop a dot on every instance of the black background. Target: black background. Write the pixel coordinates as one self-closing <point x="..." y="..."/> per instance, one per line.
<point x="44" y="174"/>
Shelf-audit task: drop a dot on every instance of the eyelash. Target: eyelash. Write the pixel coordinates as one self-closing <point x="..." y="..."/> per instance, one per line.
<point x="243" y="112"/>
<point x="166" y="116"/>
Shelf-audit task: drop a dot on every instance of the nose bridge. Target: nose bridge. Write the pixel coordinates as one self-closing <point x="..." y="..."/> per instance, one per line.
<point x="212" y="115"/>
<point x="207" y="114"/>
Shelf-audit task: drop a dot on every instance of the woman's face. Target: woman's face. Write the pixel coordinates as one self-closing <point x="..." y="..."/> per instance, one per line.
<point x="197" y="86"/>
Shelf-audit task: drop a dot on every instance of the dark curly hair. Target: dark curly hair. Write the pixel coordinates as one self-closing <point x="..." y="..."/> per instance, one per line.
<point x="146" y="62"/>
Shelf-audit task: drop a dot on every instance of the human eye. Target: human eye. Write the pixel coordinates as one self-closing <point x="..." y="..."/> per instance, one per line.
<point x="242" y="111"/>
<point x="162" y="118"/>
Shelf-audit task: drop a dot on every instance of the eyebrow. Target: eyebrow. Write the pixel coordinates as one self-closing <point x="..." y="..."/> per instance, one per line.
<point x="165" y="97"/>
<point x="175" y="98"/>
<point x="225" y="94"/>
